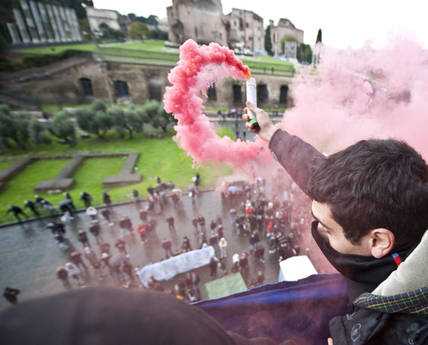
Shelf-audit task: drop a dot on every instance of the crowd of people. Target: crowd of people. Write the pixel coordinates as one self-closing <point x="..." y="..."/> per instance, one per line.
<point x="261" y="224"/>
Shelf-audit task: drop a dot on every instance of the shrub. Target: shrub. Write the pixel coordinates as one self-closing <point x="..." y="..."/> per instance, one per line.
<point x="150" y="132"/>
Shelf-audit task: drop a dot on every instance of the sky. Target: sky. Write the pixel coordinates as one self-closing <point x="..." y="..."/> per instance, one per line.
<point x="344" y="23"/>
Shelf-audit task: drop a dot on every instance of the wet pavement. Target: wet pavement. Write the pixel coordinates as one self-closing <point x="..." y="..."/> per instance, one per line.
<point x="30" y="256"/>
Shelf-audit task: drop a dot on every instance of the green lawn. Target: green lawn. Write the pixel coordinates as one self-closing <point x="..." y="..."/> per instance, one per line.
<point x="57" y="49"/>
<point x="158" y="157"/>
<point x="20" y="188"/>
<point x="153" y="51"/>
<point x="5" y="164"/>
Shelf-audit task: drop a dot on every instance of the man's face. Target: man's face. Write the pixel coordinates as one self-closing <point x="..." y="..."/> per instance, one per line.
<point x="333" y="232"/>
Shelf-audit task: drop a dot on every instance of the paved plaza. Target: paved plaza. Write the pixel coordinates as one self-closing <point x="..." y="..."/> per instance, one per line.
<point x="30" y="256"/>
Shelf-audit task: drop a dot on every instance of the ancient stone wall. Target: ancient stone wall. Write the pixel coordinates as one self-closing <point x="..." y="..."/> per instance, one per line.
<point x="200" y="20"/>
<point x="246" y="29"/>
<point x="144" y="81"/>
<point x="285" y="30"/>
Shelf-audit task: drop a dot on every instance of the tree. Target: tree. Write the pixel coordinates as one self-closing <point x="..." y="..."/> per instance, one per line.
<point x="98" y="105"/>
<point x="63" y="128"/>
<point x="152" y="20"/>
<point x="268" y="41"/>
<point x="85" y="29"/>
<point x="108" y="33"/>
<point x="138" y="31"/>
<point x="95" y="119"/>
<point x="37" y="132"/>
<point x="157" y="116"/>
<point x="304" y="53"/>
<point x="319" y="36"/>
<point x="14" y="128"/>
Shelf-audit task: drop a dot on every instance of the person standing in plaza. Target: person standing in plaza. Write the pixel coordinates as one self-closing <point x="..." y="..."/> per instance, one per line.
<point x="49" y="207"/>
<point x="11" y="295"/>
<point x="82" y="237"/>
<point x="195" y="227"/>
<point x="222" y="244"/>
<point x="213" y="266"/>
<point x="202" y="224"/>
<point x="220" y="231"/>
<point x="105" y="259"/>
<point x="253" y="240"/>
<point x="107" y="199"/>
<point x="76" y="258"/>
<point x="142" y="231"/>
<point x="143" y="215"/>
<point x="17" y="212"/>
<point x="171" y="223"/>
<point x="69" y="199"/>
<point x="196" y="182"/>
<point x="136" y="197"/>
<point x="92" y="259"/>
<point x="62" y="275"/>
<point x="244" y="267"/>
<point x="126" y="224"/>
<point x="74" y="272"/>
<point x="106" y="213"/>
<point x="32" y="207"/>
<point x="167" y="247"/>
<point x="95" y="230"/>
<point x="86" y="198"/>
<point x="120" y="244"/>
<point x="213" y="241"/>
<point x="129" y="270"/>
<point x="65" y="208"/>
<point x="186" y="246"/>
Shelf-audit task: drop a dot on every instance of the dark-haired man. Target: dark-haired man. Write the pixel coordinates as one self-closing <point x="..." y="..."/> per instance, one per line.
<point x="370" y="210"/>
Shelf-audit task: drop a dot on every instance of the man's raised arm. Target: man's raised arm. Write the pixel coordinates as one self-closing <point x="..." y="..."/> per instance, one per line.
<point x="297" y="157"/>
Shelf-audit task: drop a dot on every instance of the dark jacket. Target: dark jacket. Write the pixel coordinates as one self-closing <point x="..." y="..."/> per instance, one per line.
<point x="388" y="320"/>
<point x="377" y="319"/>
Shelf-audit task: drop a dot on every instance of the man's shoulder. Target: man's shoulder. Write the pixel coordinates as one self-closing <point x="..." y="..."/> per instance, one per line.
<point x="384" y="319"/>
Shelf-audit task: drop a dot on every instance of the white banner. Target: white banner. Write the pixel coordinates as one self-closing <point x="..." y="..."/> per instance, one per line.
<point x="168" y="269"/>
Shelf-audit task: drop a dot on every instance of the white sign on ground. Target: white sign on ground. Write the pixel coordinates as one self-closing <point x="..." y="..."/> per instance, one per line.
<point x="295" y="268"/>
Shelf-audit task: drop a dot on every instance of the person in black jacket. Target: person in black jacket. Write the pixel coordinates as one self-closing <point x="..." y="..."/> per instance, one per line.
<point x="107" y="199"/>
<point x="11" y="295"/>
<point x="86" y="198"/>
<point x="17" y="212"/>
<point x="32" y="207"/>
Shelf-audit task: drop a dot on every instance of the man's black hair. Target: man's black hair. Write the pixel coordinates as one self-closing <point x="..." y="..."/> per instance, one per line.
<point x="375" y="184"/>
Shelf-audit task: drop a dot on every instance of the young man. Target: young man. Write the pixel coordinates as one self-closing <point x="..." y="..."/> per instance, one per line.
<point x="370" y="210"/>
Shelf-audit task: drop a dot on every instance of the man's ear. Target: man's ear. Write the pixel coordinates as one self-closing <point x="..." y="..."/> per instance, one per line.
<point x="381" y="242"/>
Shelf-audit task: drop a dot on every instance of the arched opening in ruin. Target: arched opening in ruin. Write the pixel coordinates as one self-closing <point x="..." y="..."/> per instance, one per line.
<point x="155" y="90"/>
<point x="262" y="94"/>
<point x="86" y="87"/>
<point x="121" y="88"/>
<point x="283" y="94"/>
<point x="237" y="93"/>
<point x="212" y="93"/>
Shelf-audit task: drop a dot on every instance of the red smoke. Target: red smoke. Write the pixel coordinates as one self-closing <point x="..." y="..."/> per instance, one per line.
<point x="198" y="68"/>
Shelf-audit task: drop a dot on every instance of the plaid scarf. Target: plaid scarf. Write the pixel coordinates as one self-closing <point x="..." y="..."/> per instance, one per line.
<point x="412" y="302"/>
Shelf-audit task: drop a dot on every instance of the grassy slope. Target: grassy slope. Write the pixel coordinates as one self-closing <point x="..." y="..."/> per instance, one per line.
<point x="158" y="157"/>
<point x="154" y="50"/>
